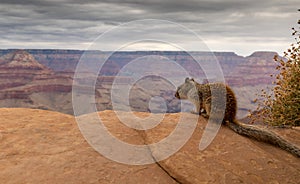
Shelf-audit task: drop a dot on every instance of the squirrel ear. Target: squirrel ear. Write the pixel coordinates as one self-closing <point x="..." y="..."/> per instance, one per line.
<point x="187" y="79"/>
<point x="192" y="79"/>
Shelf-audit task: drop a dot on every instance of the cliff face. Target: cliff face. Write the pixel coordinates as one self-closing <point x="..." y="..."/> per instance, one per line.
<point x="235" y="68"/>
<point x="255" y="70"/>
<point x="20" y="60"/>
<point x="238" y="71"/>
<point x="19" y="68"/>
<point x="24" y="74"/>
<point x="24" y="82"/>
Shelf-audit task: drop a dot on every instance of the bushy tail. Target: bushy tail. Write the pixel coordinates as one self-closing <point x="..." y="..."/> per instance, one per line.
<point x="264" y="135"/>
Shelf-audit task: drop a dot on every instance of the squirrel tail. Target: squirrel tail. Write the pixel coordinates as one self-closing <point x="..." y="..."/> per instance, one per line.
<point x="264" y="135"/>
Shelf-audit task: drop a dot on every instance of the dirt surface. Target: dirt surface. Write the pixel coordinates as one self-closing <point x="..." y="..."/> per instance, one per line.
<point x="38" y="146"/>
<point x="47" y="147"/>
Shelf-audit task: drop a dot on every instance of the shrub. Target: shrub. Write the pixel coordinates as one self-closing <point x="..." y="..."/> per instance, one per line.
<point x="281" y="106"/>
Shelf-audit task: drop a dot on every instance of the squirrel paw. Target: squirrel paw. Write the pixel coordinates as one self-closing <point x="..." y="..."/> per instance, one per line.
<point x="205" y="115"/>
<point x="194" y="112"/>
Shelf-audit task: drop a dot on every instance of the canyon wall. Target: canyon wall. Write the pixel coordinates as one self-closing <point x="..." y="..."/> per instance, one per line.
<point x="43" y="78"/>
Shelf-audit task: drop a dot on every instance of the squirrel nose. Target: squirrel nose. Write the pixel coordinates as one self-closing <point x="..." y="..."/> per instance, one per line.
<point x="177" y="95"/>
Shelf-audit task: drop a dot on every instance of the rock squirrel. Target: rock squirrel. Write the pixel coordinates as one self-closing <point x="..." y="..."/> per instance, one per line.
<point x="224" y="108"/>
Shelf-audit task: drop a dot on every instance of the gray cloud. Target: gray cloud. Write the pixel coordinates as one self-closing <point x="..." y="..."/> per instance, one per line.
<point x="225" y="25"/>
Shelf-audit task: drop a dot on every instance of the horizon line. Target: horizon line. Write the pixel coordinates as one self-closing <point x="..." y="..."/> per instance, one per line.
<point x="82" y="50"/>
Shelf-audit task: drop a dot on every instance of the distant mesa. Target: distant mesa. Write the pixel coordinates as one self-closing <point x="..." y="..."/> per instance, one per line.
<point x="264" y="54"/>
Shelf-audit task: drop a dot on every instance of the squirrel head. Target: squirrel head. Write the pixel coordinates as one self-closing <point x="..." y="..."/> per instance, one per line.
<point x="182" y="90"/>
<point x="189" y="80"/>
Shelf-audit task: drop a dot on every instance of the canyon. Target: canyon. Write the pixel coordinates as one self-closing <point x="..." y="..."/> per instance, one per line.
<point x="43" y="78"/>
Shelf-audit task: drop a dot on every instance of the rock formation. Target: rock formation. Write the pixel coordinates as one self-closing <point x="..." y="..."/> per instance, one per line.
<point x="50" y="79"/>
<point x="40" y="146"/>
<point x="24" y="82"/>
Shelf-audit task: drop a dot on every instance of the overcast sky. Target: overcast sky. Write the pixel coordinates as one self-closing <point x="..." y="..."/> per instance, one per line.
<point x="224" y="25"/>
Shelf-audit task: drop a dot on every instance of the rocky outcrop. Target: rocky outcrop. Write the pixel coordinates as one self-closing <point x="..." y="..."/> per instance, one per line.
<point x="40" y="146"/>
<point x="22" y="79"/>
<point x="20" y="59"/>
